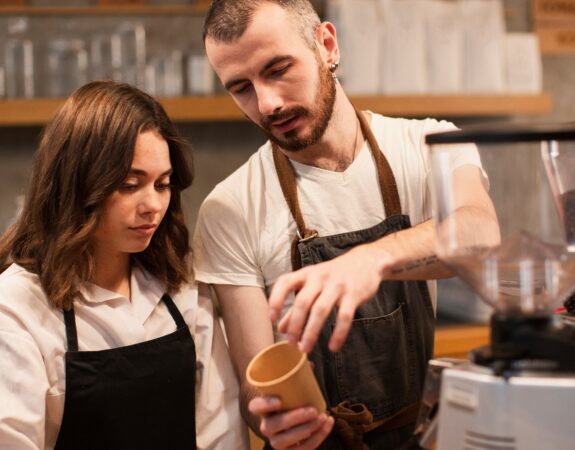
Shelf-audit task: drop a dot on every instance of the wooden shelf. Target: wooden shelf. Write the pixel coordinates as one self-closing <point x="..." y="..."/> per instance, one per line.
<point x="456" y="105"/>
<point x="198" y="8"/>
<point x="103" y="10"/>
<point x="222" y="108"/>
<point x="455" y="341"/>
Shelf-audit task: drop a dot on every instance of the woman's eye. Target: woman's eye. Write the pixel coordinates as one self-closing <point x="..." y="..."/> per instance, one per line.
<point x="163" y="186"/>
<point x="128" y="187"/>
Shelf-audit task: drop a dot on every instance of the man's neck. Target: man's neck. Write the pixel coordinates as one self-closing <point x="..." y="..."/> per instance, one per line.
<point x="342" y="140"/>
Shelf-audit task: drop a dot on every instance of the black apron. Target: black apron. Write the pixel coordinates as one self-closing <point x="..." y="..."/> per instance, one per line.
<point x="373" y="385"/>
<point x="137" y="397"/>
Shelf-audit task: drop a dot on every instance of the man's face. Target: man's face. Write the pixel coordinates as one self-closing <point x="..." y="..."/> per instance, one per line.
<point x="277" y="80"/>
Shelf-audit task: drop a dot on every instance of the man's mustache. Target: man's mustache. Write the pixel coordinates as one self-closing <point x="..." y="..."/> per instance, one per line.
<point x="267" y="121"/>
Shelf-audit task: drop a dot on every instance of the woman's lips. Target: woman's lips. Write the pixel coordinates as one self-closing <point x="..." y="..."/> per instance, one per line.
<point x="144" y="230"/>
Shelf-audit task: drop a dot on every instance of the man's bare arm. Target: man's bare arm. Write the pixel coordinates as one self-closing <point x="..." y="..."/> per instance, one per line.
<point x="249" y="330"/>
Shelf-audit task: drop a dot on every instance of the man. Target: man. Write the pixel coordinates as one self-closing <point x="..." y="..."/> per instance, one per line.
<point x="328" y="180"/>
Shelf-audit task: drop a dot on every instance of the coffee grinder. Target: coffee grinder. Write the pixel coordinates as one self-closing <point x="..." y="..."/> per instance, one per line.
<point x="519" y="391"/>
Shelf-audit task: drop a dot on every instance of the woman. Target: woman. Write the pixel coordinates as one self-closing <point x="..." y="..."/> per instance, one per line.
<point x="104" y="341"/>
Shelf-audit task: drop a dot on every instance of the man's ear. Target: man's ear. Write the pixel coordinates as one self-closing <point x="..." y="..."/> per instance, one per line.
<point x="326" y="40"/>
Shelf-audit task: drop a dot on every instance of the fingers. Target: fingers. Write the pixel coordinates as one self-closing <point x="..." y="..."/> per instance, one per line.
<point x="318" y="316"/>
<point x="315" y="440"/>
<point x="282" y="287"/>
<point x="302" y="304"/>
<point x="322" y="287"/>
<point x="313" y="304"/>
<point x="299" y="429"/>
<point x="261" y="406"/>
<point x="343" y="322"/>
<point x="284" y="322"/>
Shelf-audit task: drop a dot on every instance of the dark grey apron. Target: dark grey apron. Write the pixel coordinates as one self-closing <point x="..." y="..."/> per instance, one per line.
<point x="373" y="385"/>
<point x="138" y="397"/>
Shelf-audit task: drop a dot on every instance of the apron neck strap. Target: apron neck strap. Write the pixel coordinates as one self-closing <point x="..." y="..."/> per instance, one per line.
<point x="174" y="311"/>
<point x="286" y="176"/>
<point x="387" y="184"/>
<point x="72" y="333"/>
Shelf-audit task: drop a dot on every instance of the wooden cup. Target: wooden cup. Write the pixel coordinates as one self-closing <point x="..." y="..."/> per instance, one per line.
<point x="283" y="370"/>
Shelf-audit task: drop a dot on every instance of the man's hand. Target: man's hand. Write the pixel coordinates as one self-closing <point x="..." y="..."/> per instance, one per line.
<point x="299" y="429"/>
<point x="346" y="282"/>
<point x="349" y="281"/>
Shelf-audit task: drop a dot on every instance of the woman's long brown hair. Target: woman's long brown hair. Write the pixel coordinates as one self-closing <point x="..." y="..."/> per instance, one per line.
<point x="85" y="154"/>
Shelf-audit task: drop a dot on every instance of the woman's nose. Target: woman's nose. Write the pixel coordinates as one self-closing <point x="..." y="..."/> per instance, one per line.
<point x="151" y="202"/>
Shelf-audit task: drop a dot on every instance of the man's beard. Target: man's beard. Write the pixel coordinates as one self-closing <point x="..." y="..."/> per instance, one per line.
<point x="321" y="115"/>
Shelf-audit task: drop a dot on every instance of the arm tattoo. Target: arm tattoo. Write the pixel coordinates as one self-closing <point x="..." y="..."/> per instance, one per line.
<point x="418" y="263"/>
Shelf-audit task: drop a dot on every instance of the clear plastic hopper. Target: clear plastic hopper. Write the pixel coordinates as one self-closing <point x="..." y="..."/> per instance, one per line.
<point x="522" y="260"/>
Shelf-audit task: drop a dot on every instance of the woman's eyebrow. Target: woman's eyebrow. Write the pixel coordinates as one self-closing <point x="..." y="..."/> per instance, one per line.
<point x="136" y="171"/>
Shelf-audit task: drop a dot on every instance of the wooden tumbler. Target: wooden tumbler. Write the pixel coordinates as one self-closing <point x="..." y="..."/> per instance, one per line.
<point x="283" y="370"/>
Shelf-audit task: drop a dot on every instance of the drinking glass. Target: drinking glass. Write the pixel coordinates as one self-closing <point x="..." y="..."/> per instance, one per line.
<point x="19" y="62"/>
<point x="67" y="66"/>
<point x="101" y="57"/>
<point x="164" y="75"/>
<point x="200" y="76"/>
<point x="128" y="48"/>
<point x="2" y="82"/>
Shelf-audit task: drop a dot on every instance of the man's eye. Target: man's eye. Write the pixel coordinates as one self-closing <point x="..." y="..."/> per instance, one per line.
<point x="240" y="89"/>
<point x="280" y="71"/>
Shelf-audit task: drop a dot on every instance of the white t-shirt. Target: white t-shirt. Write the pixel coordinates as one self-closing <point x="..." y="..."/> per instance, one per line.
<point x="245" y="228"/>
<point x="33" y="344"/>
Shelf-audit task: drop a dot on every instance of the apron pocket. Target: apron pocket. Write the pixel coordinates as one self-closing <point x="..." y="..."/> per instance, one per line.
<point x="375" y="366"/>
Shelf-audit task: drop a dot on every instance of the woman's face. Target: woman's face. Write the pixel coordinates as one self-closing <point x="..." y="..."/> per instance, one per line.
<point x="132" y="213"/>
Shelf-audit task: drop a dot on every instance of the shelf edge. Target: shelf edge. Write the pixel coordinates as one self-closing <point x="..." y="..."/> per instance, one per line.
<point x="222" y="108"/>
<point x="102" y="10"/>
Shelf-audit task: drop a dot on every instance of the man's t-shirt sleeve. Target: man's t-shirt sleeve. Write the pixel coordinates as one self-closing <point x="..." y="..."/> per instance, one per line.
<point x="224" y="247"/>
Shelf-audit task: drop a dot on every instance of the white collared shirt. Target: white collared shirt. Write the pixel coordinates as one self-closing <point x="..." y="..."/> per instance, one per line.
<point x="33" y="345"/>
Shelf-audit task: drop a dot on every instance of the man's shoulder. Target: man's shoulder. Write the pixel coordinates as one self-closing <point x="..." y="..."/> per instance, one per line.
<point x="230" y="197"/>
<point x="255" y="168"/>
<point x="385" y="124"/>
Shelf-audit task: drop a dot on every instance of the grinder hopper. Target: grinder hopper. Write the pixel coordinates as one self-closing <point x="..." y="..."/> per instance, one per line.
<point x="520" y="260"/>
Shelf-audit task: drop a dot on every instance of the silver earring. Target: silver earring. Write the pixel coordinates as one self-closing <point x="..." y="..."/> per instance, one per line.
<point x="333" y="67"/>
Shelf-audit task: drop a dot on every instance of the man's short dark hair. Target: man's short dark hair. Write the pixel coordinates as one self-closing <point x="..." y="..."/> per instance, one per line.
<point x="227" y="20"/>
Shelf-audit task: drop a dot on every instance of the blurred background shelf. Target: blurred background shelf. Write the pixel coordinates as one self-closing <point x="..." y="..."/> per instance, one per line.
<point x="20" y="112"/>
<point x="456" y="341"/>
<point x="460" y="105"/>
<point x="193" y="9"/>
